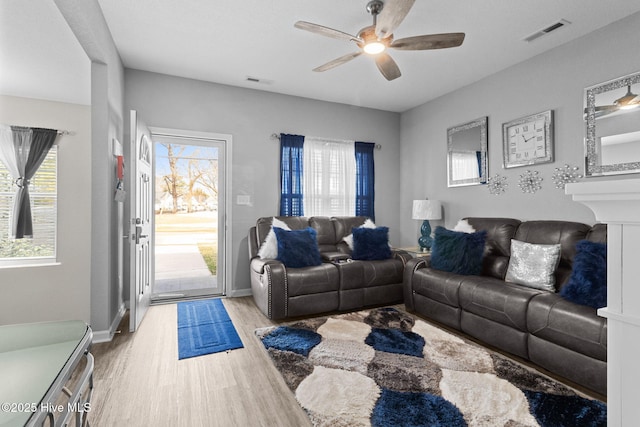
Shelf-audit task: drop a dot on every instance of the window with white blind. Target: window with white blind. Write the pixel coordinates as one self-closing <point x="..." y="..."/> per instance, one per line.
<point x="43" y="192"/>
<point x="329" y="177"/>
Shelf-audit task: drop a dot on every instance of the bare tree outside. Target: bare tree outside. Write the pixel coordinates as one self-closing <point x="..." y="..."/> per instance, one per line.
<point x="209" y="177"/>
<point x="190" y="178"/>
<point x="174" y="183"/>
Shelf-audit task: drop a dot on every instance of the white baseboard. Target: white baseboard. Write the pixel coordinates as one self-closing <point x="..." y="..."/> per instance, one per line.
<point x="106" y="336"/>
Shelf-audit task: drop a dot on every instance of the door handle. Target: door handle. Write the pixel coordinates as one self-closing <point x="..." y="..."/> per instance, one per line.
<point x="138" y="235"/>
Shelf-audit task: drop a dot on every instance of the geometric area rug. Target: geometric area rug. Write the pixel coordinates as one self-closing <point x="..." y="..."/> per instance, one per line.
<point x="204" y="327"/>
<point x="385" y="367"/>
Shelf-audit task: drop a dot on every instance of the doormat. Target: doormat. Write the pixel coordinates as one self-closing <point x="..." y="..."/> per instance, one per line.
<point x="385" y="367"/>
<point x="204" y="327"/>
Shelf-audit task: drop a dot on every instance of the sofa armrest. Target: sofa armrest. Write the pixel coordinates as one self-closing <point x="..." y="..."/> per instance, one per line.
<point x="402" y="255"/>
<point x="410" y="268"/>
<point x="252" y="243"/>
<point x="268" y="285"/>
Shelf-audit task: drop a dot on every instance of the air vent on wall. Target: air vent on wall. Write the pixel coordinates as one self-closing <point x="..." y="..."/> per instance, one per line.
<point x="561" y="23"/>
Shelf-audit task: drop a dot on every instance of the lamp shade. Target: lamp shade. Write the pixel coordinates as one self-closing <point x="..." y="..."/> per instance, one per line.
<point x="426" y="209"/>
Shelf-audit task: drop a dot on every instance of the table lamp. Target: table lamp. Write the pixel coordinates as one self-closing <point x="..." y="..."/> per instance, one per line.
<point x="426" y="210"/>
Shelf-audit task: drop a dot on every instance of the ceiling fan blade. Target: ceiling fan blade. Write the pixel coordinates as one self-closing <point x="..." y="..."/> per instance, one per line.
<point x="602" y="110"/>
<point x="606" y="108"/>
<point x="387" y="66"/>
<point x="430" y="41"/>
<point x="324" y="31"/>
<point x="393" y="13"/>
<point x="338" y="61"/>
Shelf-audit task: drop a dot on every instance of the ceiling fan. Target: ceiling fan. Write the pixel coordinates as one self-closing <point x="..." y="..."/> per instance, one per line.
<point x="627" y="102"/>
<point x="377" y="38"/>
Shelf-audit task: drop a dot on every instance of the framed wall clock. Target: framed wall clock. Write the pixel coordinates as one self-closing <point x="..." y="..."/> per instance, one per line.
<point x="528" y="140"/>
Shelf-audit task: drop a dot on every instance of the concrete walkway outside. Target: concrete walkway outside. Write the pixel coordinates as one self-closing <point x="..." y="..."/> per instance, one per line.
<point x="180" y="266"/>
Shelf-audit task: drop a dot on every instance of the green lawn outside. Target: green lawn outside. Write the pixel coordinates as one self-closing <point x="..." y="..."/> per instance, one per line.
<point x="210" y="255"/>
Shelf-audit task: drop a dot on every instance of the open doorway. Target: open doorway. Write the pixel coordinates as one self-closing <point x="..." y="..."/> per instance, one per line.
<point x="190" y="215"/>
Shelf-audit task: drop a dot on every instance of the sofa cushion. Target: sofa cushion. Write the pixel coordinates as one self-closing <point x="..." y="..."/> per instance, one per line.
<point x="577" y="327"/>
<point x="588" y="282"/>
<point x="263" y="225"/>
<point x="349" y="239"/>
<point x="496" y="300"/>
<point x="326" y="233"/>
<point x="597" y="233"/>
<point x="533" y="265"/>
<point x="437" y="285"/>
<point x="364" y="274"/>
<point x="312" y="280"/>
<point x="458" y="252"/>
<point x="566" y="233"/>
<point x="269" y="248"/>
<point x="344" y="224"/>
<point x="500" y="231"/>
<point x="382" y="272"/>
<point x="464" y="226"/>
<point x="370" y="244"/>
<point x="297" y="248"/>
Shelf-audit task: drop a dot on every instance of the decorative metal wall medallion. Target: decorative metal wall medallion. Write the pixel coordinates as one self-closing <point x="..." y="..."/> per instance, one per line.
<point x="565" y="175"/>
<point x="497" y="184"/>
<point x="530" y="181"/>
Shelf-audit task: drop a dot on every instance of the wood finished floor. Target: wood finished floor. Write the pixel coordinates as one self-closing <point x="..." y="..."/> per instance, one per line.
<point x="139" y="381"/>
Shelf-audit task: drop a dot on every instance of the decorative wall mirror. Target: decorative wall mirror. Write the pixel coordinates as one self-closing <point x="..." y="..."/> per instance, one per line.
<point x="612" y="143"/>
<point x="467" y="153"/>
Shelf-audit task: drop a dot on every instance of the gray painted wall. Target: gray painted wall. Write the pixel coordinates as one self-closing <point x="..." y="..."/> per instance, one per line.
<point x="88" y="24"/>
<point x="251" y="116"/>
<point x="553" y="80"/>
<point x="58" y="291"/>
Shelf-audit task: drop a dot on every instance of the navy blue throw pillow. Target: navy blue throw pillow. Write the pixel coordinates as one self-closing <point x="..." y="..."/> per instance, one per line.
<point x="458" y="252"/>
<point x="587" y="284"/>
<point x="371" y="243"/>
<point x="297" y="248"/>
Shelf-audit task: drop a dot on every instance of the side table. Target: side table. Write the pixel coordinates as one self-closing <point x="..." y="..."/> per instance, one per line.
<point x="416" y="252"/>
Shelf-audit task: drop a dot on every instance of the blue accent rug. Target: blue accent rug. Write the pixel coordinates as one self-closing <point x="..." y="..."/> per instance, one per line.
<point x="204" y="327"/>
<point x="386" y="368"/>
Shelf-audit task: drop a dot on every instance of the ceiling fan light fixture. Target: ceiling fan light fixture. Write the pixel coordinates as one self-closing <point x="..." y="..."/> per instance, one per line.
<point x="628" y="101"/>
<point x="629" y="106"/>
<point x="374" y="47"/>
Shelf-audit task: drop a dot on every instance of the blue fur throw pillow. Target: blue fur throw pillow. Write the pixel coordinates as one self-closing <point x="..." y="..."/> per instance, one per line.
<point x="587" y="284"/>
<point x="458" y="252"/>
<point x="298" y="248"/>
<point x="371" y="243"/>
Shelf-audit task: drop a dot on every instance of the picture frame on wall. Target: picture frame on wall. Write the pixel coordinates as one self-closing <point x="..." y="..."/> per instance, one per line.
<point x="528" y="140"/>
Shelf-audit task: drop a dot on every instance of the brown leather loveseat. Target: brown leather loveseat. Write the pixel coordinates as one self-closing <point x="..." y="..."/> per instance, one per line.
<point x="337" y="284"/>
<point x="541" y="326"/>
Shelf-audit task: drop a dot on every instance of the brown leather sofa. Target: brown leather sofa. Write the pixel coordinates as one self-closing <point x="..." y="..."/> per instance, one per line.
<point x="338" y="284"/>
<point x="540" y="326"/>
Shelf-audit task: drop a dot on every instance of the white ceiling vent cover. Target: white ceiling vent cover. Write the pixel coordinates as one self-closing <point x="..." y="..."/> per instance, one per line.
<point x="561" y="23"/>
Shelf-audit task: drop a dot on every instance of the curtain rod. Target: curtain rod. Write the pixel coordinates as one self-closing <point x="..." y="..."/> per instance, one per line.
<point x="59" y="132"/>
<point x="276" y="136"/>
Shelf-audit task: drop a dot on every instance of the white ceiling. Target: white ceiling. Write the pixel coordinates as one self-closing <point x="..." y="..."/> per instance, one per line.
<point x="40" y="56"/>
<point x="228" y="41"/>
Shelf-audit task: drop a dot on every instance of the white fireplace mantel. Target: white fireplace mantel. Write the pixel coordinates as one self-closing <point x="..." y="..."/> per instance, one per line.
<point x="612" y="201"/>
<point x="617" y="203"/>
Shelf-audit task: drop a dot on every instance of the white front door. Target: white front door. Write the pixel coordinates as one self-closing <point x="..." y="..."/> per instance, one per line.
<point x="141" y="217"/>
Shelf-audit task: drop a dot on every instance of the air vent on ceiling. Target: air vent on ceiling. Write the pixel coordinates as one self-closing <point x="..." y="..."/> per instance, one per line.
<point x="561" y="23"/>
<point x="259" y="81"/>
